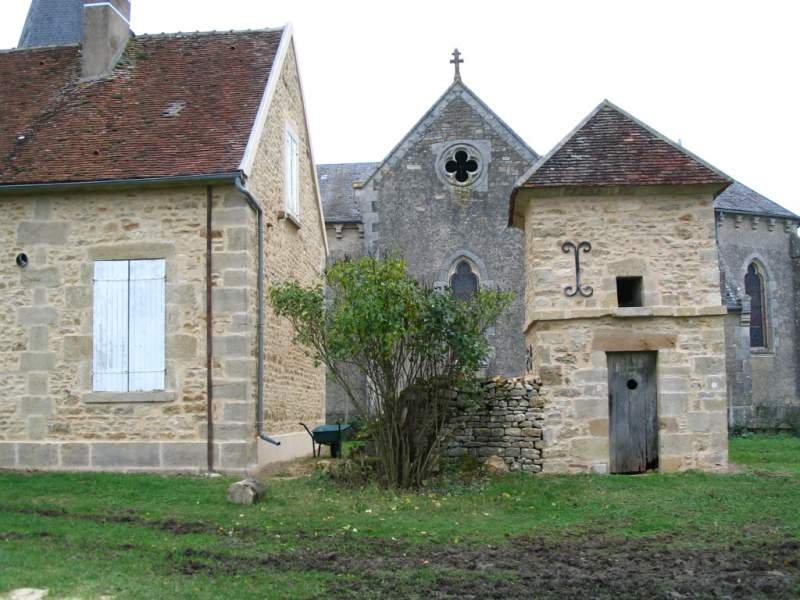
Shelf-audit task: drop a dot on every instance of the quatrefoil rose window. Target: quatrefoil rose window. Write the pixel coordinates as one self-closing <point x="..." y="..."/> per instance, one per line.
<point x="461" y="165"/>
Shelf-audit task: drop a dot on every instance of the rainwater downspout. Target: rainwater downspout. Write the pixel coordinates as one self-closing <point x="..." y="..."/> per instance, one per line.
<point x="209" y="336"/>
<point x="251" y="201"/>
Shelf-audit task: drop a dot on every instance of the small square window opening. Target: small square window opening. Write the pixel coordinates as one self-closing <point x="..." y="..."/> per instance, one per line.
<point x="629" y="291"/>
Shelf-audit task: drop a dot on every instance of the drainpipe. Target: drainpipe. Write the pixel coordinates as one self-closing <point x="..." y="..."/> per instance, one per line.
<point x="253" y="203"/>
<point x="209" y="337"/>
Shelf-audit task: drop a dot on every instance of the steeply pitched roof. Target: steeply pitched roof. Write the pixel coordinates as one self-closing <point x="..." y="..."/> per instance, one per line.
<point x="176" y="105"/>
<point x="740" y="198"/>
<point x="52" y="23"/>
<point x="610" y="147"/>
<point x="336" y="188"/>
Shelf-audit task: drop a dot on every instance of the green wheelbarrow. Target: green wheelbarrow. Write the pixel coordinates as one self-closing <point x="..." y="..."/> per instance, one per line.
<point x="328" y="435"/>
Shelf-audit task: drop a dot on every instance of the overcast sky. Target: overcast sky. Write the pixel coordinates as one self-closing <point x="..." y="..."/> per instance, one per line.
<point x="721" y="76"/>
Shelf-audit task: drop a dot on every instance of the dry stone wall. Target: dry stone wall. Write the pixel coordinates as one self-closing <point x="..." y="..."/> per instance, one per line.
<point x="505" y="420"/>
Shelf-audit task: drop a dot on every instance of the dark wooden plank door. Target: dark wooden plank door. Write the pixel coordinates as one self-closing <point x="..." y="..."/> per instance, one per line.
<point x="633" y="418"/>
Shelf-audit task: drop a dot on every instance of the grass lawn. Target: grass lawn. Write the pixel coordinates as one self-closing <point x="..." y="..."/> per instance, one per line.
<point x="671" y="536"/>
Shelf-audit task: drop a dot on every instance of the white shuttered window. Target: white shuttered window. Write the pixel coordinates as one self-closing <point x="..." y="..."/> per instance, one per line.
<point x="129" y="325"/>
<point x="292" y="172"/>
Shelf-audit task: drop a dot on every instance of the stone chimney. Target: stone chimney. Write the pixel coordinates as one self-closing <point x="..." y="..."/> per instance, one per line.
<point x="106" y="28"/>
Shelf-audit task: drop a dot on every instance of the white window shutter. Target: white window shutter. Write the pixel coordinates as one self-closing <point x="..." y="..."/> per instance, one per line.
<point x="291" y="149"/>
<point x="110" y="368"/>
<point x="147" y="325"/>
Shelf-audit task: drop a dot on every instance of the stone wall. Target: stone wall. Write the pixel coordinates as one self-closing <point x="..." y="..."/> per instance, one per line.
<point x="505" y="420"/>
<point x="49" y="415"/>
<point x="407" y="206"/>
<point x="294" y="386"/>
<point x="770" y="398"/>
<point x="667" y="237"/>
<point x="344" y="240"/>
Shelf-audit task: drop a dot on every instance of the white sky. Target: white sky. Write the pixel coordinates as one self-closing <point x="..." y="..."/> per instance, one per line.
<point x="721" y="76"/>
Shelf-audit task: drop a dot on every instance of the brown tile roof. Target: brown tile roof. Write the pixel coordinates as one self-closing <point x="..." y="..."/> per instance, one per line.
<point x="54" y="128"/>
<point x="610" y="147"/>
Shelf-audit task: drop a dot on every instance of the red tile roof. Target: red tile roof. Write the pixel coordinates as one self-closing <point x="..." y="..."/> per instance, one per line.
<point x="610" y="147"/>
<point x="54" y="128"/>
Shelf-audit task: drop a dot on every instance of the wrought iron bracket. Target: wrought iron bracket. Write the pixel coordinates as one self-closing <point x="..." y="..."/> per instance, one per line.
<point x="578" y="288"/>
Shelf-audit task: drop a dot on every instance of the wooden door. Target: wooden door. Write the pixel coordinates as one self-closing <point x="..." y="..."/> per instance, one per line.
<point x="633" y="419"/>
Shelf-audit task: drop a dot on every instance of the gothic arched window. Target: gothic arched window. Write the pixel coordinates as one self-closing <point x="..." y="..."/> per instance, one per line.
<point x="754" y="287"/>
<point x="463" y="281"/>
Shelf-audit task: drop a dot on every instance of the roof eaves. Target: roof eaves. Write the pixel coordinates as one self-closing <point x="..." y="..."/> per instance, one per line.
<point x="103" y="183"/>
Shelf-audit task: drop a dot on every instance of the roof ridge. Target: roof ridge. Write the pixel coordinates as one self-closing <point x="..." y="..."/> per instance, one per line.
<point x="38" y="48"/>
<point x="220" y="32"/>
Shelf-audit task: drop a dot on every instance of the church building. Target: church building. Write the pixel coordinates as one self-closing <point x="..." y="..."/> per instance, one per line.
<point x="640" y="273"/>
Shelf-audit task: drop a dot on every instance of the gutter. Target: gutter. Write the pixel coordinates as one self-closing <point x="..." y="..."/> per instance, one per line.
<point x="256" y="207"/>
<point x="103" y="183"/>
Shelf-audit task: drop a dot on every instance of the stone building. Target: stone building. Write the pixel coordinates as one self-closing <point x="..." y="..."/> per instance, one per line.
<point x="153" y="188"/>
<point x="440" y="197"/>
<point x="760" y="265"/>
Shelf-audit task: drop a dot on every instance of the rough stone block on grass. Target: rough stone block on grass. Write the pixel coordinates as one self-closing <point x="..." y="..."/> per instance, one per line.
<point x="247" y="491"/>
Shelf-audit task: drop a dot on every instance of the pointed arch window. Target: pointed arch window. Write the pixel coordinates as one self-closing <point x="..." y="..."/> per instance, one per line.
<point x="754" y="287"/>
<point x="463" y="281"/>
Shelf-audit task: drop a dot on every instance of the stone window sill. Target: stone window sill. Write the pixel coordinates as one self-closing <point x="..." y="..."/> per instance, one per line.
<point x="761" y="352"/>
<point x="127" y="397"/>
<point x="293" y="220"/>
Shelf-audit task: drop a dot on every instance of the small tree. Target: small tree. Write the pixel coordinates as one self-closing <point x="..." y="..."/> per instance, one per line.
<point x="413" y="344"/>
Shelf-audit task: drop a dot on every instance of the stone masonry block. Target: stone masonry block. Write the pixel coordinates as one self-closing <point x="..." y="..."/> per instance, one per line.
<point x="78" y="296"/>
<point x="37" y="361"/>
<point x="35" y="406"/>
<point x="236" y="390"/>
<point x="245" y="367"/>
<point x="38" y="384"/>
<point x="237" y="456"/>
<point x="122" y="455"/>
<point x="231" y="216"/>
<point x="235" y="278"/>
<point x="231" y="345"/>
<point x="37" y="455"/>
<point x="238" y="238"/>
<point x="74" y="455"/>
<point x="37" y="315"/>
<point x="43" y="232"/>
<point x="236" y="412"/>
<point x="43" y="277"/>
<point x="36" y="427"/>
<point x="182" y="347"/>
<point x="230" y="300"/>
<point x="223" y="261"/>
<point x="7" y="454"/>
<point x="38" y="337"/>
<point x="77" y="347"/>
<point x="187" y="454"/>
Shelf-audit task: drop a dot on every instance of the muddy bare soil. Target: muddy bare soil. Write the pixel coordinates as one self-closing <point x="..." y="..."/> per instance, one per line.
<point x="524" y="568"/>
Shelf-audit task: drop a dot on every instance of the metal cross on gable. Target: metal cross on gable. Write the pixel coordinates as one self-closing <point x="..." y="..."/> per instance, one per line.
<point x="457" y="60"/>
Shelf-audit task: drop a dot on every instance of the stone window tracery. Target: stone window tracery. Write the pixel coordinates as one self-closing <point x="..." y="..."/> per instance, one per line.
<point x="461" y="164"/>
